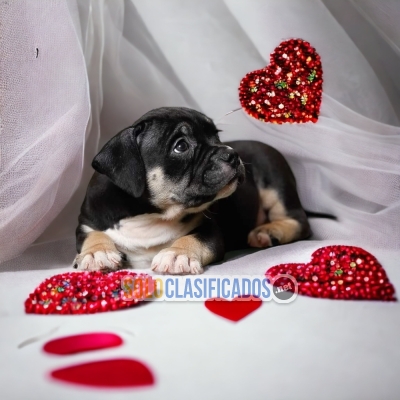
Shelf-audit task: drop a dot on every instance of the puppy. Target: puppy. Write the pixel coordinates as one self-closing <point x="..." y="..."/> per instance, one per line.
<point x="168" y="194"/>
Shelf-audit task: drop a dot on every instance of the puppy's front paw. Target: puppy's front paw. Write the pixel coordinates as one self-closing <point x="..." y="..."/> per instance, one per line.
<point x="261" y="237"/>
<point x="175" y="260"/>
<point x="101" y="260"/>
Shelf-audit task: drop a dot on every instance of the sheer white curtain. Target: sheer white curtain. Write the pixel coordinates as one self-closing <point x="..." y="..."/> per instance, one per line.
<point x="44" y="112"/>
<point x="72" y="74"/>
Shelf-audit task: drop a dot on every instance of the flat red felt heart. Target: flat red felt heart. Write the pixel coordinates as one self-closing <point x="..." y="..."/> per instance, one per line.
<point x="339" y="272"/>
<point x="234" y="310"/>
<point x="114" y="373"/>
<point x="289" y="89"/>
<point x="81" y="343"/>
<point x="89" y="292"/>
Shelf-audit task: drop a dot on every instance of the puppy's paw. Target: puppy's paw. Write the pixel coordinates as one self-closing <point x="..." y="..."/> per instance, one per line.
<point x="262" y="237"/>
<point x="275" y="233"/>
<point x="175" y="261"/>
<point x="101" y="260"/>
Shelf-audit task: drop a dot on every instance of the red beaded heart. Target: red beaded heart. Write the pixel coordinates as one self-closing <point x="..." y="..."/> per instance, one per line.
<point x="289" y="89"/>
<point x="340" y="272"/>
<point x="88" y="293"/>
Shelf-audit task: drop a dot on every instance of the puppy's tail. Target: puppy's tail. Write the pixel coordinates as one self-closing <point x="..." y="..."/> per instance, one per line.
<point x="312" y="214"/>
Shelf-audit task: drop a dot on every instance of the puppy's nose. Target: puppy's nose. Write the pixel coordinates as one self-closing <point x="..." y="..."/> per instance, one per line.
<point x="230" y="156"/>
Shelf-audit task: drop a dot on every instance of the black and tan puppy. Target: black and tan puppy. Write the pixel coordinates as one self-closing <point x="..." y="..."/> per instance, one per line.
<point x="168" y="194"/>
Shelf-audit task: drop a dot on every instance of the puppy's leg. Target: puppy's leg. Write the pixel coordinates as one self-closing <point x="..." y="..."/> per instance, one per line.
<point x="187" y="255"/>
<point x="98" y="252"/>
<point x="281" y="225"/>
<point x="190" y="253"/>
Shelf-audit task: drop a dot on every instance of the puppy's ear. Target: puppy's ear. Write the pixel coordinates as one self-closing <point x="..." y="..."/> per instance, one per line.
<point x="120" y="160"/>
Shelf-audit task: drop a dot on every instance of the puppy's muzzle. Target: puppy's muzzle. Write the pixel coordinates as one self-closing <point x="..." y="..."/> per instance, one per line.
<point x="224" y="169"/>
<point x="230" y="156"/>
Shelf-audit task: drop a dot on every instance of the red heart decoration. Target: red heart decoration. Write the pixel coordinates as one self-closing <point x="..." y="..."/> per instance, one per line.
<point x="339" y="272"/>
<point x="234" y="310"/>
<point x="107" y="373"/>
<point x="88" y="293"/>
<point x="80" y="343"/>
<point x="289" y="89"/>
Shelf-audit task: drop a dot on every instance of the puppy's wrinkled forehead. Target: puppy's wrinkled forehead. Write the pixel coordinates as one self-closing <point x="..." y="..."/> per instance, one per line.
<point x="168" y="121"/>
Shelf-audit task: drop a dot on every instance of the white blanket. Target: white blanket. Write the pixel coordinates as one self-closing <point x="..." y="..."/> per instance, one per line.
<point x="308" y="349"/>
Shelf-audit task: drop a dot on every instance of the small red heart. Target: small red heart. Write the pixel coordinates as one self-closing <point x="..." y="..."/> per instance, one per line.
<point x="289" y="89"/>
<point x="234" y="310"/>
<point x="123" y="372"/>
<point x="89" y="292"/>
<point x="339" y="272"/>
<point x="80" y="343"/>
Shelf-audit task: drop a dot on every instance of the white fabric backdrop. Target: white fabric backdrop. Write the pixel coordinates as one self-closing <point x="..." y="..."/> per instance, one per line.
<point x="100" y="65"/>
<point x="140" y="55"/>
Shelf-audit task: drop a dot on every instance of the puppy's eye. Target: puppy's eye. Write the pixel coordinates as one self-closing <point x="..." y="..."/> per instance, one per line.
<point x="181" y="146"/>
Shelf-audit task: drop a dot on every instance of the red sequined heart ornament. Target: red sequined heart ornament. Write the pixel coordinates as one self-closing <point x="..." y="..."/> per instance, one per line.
<point x="339" y="272"/>
<point x="89" y="292"/>
<point x="289" y="89"/>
